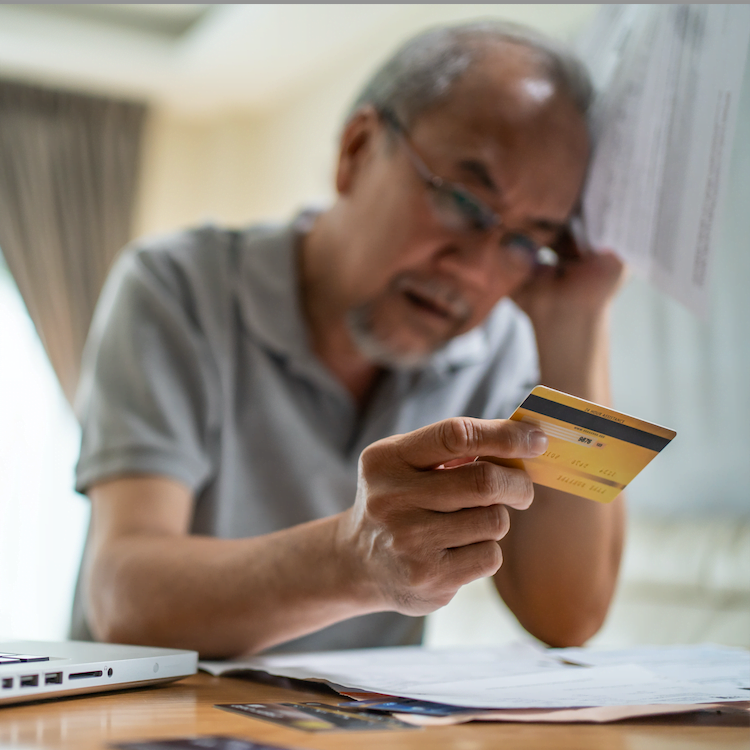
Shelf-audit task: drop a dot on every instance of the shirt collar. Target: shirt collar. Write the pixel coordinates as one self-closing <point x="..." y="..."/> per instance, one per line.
<point x="471" y="348"/>
<point x="268" y="288"/>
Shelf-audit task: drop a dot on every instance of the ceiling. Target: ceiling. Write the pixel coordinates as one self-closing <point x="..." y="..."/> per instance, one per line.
<point x="202" y="57"/>
<point x="170" y="21"/>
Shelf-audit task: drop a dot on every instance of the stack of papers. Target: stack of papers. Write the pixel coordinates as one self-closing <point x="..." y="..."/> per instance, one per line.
<point x="668" y="81"/>
<point x="543" y="684"/>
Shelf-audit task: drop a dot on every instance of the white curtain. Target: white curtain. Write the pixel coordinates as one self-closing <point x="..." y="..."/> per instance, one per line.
<point x="42" y="520"/>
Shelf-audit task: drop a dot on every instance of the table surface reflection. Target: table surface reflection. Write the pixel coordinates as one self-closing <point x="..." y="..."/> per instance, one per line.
<point x="187" y="708"/>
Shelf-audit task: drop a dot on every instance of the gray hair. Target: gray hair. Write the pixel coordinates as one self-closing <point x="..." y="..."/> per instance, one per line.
<point x="422" y="72"/>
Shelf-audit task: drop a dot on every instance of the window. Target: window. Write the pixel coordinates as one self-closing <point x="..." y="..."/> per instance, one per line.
<point x="42" y="519"/>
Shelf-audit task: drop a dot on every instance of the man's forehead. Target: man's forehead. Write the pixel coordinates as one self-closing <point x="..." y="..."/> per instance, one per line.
<point x="537" y="88"/>
<point x="483" y="118"/>
<point x="507" y="129"/>
<point x="508" y="79"/>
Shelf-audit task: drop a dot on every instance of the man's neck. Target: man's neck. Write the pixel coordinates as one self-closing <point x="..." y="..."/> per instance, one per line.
<point x="325" y="314"/>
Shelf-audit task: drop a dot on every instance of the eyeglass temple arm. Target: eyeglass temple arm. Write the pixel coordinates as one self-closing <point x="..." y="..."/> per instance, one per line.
<point x="424" y="171"/>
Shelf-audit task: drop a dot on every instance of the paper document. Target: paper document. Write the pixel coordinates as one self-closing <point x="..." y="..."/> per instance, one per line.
<point x="518" y="676"/>
<point x="708" y="665"/>
<point x="668" y="79"/>
<point x="598" y="715"/>
<point x="359" y="668"/>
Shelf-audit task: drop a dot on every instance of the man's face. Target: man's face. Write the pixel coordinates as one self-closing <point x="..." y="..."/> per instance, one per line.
<point x="409" y="282"/>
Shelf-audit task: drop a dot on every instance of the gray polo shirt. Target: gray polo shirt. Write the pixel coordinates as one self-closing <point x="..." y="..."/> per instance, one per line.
<point x="198" y="367"/>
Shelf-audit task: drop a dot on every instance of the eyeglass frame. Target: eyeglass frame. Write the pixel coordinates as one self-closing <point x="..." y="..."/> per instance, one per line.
<point x="484" y="218"/>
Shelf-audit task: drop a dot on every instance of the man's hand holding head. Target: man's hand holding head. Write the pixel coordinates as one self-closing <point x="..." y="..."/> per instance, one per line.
<point x="569" y="307"/>
<point x="582" y="284"/>
<point x="418" y="530"/>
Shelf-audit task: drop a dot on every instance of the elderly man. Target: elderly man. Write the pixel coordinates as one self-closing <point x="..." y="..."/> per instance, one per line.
<point x="280" y="424"/>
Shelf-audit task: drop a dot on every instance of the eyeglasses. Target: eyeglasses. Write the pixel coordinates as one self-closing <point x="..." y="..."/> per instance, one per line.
<point x="459" y="209"/>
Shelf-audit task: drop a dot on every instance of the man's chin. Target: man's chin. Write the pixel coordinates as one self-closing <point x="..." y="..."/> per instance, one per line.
<point x="387" y="353"/>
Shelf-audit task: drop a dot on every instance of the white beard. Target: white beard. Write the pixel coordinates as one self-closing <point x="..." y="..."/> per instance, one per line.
<point x="379" y="352"/>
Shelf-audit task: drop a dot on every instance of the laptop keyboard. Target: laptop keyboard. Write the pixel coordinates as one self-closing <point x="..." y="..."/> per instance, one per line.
<point x="6" y="658"/>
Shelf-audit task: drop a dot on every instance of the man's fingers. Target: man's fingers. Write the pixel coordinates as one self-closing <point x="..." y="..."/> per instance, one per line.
<point x="474" y="561"/>
<point x="469" y="526"/>
<point x="472" y="485"/>
<point x="463" y="437"/>
<point x="434" y="529"/>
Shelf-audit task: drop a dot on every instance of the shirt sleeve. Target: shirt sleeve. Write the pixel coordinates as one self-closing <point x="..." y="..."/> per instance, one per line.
<point x="148" y="391"/>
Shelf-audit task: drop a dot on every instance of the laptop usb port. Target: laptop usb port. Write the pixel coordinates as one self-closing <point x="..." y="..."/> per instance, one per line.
<point x="29" y="680"/>
<point x="53" y="678"/>
<point x="84" y="675"/>
<point x="7" y="683"/>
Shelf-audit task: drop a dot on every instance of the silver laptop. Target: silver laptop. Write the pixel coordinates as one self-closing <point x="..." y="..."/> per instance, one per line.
<point x="35" y="670"/>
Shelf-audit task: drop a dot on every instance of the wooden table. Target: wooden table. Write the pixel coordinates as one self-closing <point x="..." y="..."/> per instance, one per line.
<point x="187" y="708"/>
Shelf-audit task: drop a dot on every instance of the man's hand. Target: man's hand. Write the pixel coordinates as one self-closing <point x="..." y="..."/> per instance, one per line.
<point x="422" y="529"/>
<point x="569" y="307"/>
<point x="582" y="284"/>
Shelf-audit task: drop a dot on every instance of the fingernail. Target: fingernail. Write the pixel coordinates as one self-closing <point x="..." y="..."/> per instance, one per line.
<point x="538" y="442"/>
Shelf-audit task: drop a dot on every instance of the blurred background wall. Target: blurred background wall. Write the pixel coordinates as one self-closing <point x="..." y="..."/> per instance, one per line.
<point x="233" y="164"/>
<point x="244" y="105"/>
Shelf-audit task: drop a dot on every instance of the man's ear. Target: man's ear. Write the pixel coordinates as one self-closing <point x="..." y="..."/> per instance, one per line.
<point x="356" y="147"/>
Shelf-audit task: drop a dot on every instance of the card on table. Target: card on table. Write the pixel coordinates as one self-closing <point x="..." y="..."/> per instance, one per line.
<point x="407" y="706"/>
<point x="279" y="713"/>
<point x="593" y="451"/>
<point x="343" y="713"/>
<point x="316" y="717"/>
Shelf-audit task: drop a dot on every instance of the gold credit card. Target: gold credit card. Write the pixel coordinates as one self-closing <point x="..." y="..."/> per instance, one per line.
<point x="593" y="451"/>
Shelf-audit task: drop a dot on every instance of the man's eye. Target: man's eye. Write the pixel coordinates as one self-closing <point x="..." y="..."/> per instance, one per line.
<point x="471" y="210"/>
<point x="522" y="244"/>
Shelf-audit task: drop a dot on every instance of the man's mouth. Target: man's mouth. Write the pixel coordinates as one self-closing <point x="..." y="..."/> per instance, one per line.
<point x="392" y="336"/>
<point x="427" y="304"/>
<point x="434" y="298"/>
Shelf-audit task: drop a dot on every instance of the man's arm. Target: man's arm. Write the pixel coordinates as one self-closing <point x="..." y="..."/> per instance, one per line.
<point x="562" y="555"/>
<point x="149" y="581"/>
<point x="415" y="534"/>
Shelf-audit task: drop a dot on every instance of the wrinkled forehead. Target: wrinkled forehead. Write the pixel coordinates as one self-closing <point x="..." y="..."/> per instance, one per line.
<point x="505" y="109"/>
<point x="507" y="118"/>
